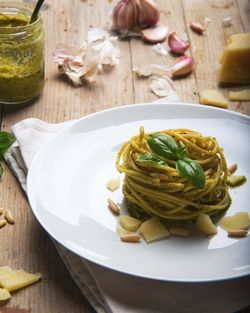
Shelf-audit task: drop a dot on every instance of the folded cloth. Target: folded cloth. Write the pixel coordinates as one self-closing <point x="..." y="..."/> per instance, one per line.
<point x="113" y="292"/>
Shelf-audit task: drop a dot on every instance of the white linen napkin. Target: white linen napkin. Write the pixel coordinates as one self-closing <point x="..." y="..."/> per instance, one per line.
<point x="113" y="292"/>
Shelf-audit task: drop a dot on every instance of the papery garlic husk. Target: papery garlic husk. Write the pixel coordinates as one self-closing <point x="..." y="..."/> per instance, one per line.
<point x="97" y="34"/>
<point x="151" y="69"/>
<point x="227" y="21"/>
<point x="162" y="86"/>
<point x="160" y="49"/>
<point x="148" y="14"/>
<point x="125" y="15"/>
<point x="176" y="44"/>
<point x="197" y="27"/>
<point x="78" y="65"/>
<point x="182" y="67"/>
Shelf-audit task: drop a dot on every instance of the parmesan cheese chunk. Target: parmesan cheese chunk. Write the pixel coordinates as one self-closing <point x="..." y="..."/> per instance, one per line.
<point x="214" y="98"/>
<point x="16" y="279"/>
<point x="4" y="294"/>
<point x="243" y="95"/>
<point x="205" y="224"/>
<point x="153" y="230"/>
<point x="113" y="184"/>
<point x="129" y="223"/>
<point x="235" y="60"/>
<point x="238" y="221"/>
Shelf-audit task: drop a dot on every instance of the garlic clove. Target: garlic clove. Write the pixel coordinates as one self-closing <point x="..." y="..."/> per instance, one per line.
<point x="176" y="44"/>
<point x="197" y="27"/>
<point x="124" y="15"/>
<point x="155" y="34"/>
<point x="182" y="67"/>
<point x="148" y="13"/>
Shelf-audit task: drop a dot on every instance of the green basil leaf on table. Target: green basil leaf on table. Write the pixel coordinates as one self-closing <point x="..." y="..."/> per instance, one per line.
<point x="151" y="158"/>
<point x="191" y="170"/>
<point x="163" y="145"/>
<point x="1" y="170"/>
<point x="6" y="140"/>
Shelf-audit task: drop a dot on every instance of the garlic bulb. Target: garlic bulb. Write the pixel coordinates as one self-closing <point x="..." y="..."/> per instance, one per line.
<point x="125" y="14"/>
<point x="135" y="14"/>
<point x="148" y="14"/>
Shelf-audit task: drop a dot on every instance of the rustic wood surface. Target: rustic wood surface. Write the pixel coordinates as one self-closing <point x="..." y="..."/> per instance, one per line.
<point x="26" y="245"/>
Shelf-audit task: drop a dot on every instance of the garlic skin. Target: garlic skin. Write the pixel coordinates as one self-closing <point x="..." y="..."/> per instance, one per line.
<point x="125" y="14"/>
<point x="162" y="86"/>
<point x="182" y="67"/>
<point x="148" y="14"/>
<point x="177" y="45"/>
<point x="197" y="27"/>
<point x="135" y="14"/>
<point x="227" y="21"/>
<point x="151" y="69"/>
<point x="160" y="49"/>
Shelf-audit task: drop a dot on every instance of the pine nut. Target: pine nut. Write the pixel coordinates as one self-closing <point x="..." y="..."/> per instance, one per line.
<point x="113" y="207"/>
<point x="1" y="210"/>
<point x="2" y="223"/>
<point x="131" y="238"/>
<point x="237" y="233"/>
<point x="9" y="217"/>
<point x="232" y="168"/>
<point x="179" y="232"/>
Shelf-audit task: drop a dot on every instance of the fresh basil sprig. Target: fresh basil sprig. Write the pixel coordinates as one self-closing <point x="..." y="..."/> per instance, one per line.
<point x="1" y="170"/>
<point x="151" y="158"/>
<point x="6" y="140"/>
<point x="191" y="170"/>
<point x="164" y="146"/>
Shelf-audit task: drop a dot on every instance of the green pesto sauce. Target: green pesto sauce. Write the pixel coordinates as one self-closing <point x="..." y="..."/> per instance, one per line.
<point x="21" y="61"/>
<point x="13" y="20"/>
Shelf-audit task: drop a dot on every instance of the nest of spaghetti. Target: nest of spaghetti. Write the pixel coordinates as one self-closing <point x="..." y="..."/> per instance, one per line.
<point x="162" y="185"/>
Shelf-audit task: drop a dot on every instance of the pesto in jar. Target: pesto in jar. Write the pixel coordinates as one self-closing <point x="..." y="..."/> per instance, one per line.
<point x="21" y="56"/>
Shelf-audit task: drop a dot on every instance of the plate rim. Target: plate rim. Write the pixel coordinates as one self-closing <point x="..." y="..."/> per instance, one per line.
<point x="118" y="108"/>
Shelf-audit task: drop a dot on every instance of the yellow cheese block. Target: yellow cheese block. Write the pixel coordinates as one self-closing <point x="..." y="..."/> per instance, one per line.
<point x="16" y="279"/>
<point x="4" y="295"/>
<point x="214" y="98"/>
<point x="243" y="95"/>
<point x="235" y="60"/>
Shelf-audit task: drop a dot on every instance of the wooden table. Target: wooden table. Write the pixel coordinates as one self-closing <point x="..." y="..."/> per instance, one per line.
<point x="26" y="245"/>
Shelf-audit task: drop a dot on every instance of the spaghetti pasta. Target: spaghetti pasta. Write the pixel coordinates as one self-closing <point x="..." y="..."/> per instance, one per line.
<point x="153" y="186"/>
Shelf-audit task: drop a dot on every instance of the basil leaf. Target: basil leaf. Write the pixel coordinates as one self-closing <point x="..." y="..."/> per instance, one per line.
<point x="181" y="152"/>
<point x="1" y="171"/>
<point x="191" y="170"/>
<point x="6" y="140"/>
<point x="163" y="145"/>
<point x="151" y="158"/>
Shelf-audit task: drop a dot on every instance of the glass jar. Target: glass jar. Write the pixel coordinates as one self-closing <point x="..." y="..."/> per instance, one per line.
<point x="21" y="53"/>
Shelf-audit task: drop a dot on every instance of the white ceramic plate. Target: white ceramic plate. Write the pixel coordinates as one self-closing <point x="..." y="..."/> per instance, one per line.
<point x="68" y="195"/>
